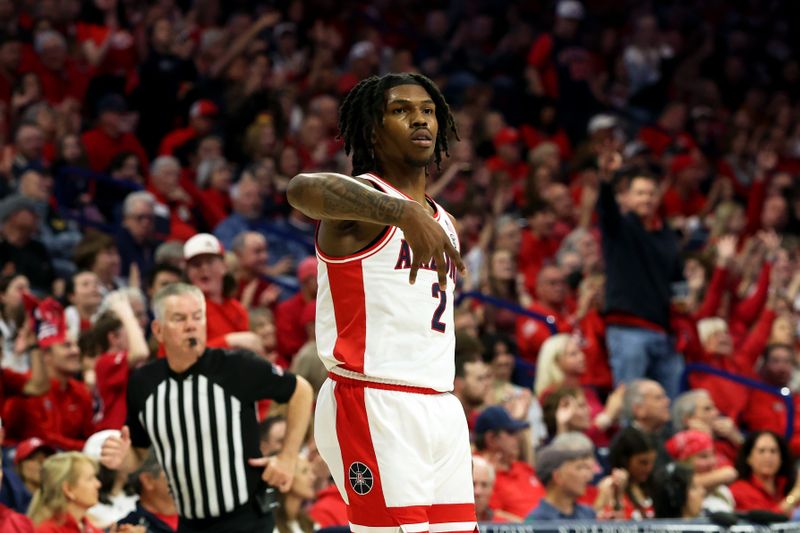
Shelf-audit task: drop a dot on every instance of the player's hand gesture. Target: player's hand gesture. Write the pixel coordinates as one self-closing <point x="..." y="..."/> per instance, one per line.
<point x="428" y="242"/>
<point x="278" y="470"/>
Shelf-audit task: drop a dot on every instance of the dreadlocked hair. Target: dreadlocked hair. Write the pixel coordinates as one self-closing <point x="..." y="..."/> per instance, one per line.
<point x="363" y="108"/>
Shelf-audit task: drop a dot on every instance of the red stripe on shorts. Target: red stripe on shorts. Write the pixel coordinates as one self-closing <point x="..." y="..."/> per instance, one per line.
<point x="451" y="512"/>
<point x="349" y="308"/>
<point x="367" y="508"/>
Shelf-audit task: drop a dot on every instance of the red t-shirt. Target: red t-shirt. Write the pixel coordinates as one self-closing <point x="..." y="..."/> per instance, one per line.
<point x="290" y="331"/>
<point x="175" y="139"/>
<point x="533" y="251"/>
<point x="532" y="333"/>
<point x="13" y="522"/>
<point x="101" y="148"/>
<point x="750" y="494"/>
<point x="329" y="508"/>
<point x="516" y="490"/>
<point x="62" y="417"/>
<point x="677" y="205"/>
<point x="118" y="60"/>
<point x="11" y="384"/>
<point x="223" y="318"/>
<point x="112" y="372"/>
<point x="170" y="519"/>
<point x="67" y="525"/>
<point x="540" y="57"/>
<point x="593" y="332"/>
<point x="57" y="86"/>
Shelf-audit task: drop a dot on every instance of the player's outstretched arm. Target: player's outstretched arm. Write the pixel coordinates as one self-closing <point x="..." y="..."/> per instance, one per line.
<point x="330" y="196"/>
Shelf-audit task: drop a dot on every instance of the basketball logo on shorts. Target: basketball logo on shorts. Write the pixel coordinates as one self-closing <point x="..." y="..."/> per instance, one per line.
<point x="360" y="478"/>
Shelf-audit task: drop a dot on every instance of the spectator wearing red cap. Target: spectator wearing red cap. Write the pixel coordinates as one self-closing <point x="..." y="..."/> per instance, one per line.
<point x="63" y="416"/>
<point x="202" y="117"/>
<point x="109" y="137"/>
<point x="696" y="448"/>
<point x="683" y="198"/>
<point x="227" y="324"/>
<point x="28" y="459"/>
<point x="292" y="333"/>
<point x="507" y="163"/>
<point x="695" y="409"/>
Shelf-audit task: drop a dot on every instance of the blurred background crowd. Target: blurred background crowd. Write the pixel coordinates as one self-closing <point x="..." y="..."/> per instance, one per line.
<point x="626" y="183"/>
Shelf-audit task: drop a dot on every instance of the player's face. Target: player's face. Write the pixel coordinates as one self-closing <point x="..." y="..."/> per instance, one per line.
<point x="184" y="319"/>
<point x="407" y="133"/>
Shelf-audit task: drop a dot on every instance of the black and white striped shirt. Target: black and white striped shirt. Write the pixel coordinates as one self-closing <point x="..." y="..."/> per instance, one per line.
<point x="202" y="424"/>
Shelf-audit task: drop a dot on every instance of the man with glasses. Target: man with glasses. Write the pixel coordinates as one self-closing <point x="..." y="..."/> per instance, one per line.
<point x="136" y="238"/>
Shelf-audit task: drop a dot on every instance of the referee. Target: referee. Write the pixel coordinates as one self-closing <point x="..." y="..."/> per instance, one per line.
<point x="196" y="408"/>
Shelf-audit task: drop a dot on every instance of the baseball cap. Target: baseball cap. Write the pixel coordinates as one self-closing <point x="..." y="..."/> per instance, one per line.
<point x="551" y="457"/>
<point x="94" y="444"/>
<point x="602" y="121"/>
<point x="495" y="418"/>
<point x="570" y="9"/>
<point x="201" y="244"/>
<point x="203" y="108"/>
<point x="30" y="446"/>
<point x="307" y="268"/>
<point x="506" y="135"/>
<point x="686" y="443"/>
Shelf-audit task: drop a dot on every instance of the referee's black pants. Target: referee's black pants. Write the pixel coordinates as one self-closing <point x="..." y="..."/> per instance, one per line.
<point x="246" y="519"/>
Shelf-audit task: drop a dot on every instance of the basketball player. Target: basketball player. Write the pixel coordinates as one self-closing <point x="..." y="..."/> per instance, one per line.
<point x="394" y="438"/>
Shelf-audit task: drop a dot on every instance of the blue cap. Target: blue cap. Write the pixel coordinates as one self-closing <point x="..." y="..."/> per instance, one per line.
<point x="496" y="418"/>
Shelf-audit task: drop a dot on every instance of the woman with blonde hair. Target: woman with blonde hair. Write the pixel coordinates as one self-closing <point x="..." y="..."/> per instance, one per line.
<point x="562" y="363"/>
<point x="69" y="488"/>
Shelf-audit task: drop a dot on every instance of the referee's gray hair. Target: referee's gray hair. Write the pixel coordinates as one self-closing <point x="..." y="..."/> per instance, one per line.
<point x="176" y="289"/>
<point x="137" y="196"/>
<point x="684" y="407"/>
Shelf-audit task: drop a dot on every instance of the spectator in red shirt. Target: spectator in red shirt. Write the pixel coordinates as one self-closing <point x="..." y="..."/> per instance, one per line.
<point x="550" y="301"/>
<point x="683" y="198"/>
<point x="85" y="296"/>
<point x="69" y="489"/>
<point x="109" y="137"/>
<point x="767" y="479"/>
<point x="173" y="201"/>
<point x="251" y="249"/>
<point x="695" y="409"/>
<point x="507" y="164"/>
<point x="767" y="412"/>
<point x="538" y="241"/>
<point x="202" y="117"/>
<point x="227" y="325"/>
<point x="122" y="347"/>
<point x="59" y="74"/>
<point x="63" y="416"/>
<point x="517" y="491"/>
<point x="291" y="333"/>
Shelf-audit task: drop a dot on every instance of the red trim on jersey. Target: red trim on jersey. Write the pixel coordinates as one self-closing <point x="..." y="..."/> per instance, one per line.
<point x="361" y="254"/>
<point x="350" y="311"/>
<point x="384" y="386"/>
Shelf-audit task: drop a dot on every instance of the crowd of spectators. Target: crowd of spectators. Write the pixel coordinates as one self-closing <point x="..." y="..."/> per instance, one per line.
<point x="626" y="183"/>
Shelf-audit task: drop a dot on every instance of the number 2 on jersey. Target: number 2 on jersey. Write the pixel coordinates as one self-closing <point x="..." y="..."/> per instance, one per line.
<point x="436" y="323"/>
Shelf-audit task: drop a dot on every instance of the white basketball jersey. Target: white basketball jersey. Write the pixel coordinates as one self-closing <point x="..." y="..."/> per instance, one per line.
<point x="372" y="323"/>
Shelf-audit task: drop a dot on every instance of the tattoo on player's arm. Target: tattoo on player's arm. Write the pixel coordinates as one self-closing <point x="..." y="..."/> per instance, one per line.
<point x="351" y="199"/>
